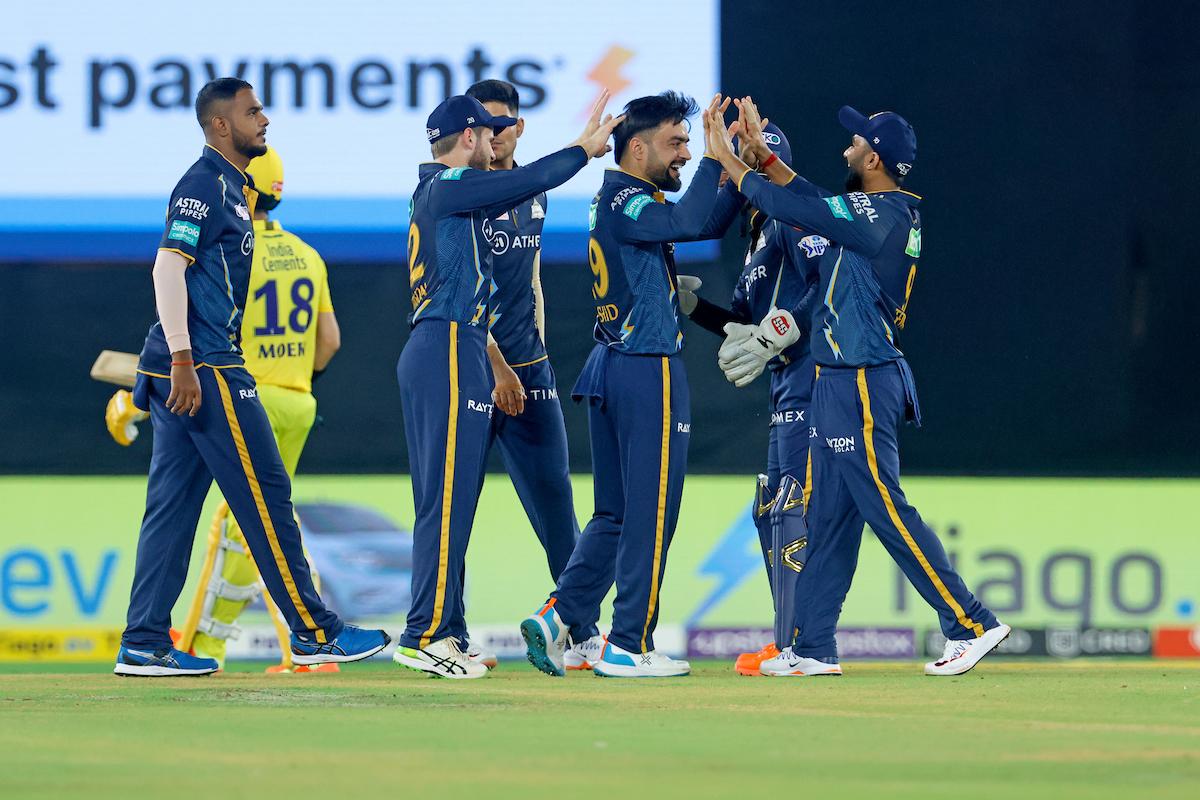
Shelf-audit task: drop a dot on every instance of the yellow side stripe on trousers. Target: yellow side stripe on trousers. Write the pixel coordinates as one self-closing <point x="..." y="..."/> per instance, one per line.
<point x="808" y="486"/>
<point x="663" y="468"/>
<point x="439" y="603"/>
<point x="869" y="440"/>
<point x="285" y="573"/>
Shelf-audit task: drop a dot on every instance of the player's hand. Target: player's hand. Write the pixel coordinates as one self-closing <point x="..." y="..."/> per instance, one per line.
<point x="750" y="131"/>
<point x="717" y="143"/>
<point x="599" y="128"/>
<point x="769" y="338"/>
<point x="121" y="417"/>
<point x="185" y="391"/>
<point x="509" y="394"/>
<point x="713" y="118"/>
<point x="685" y="290"/>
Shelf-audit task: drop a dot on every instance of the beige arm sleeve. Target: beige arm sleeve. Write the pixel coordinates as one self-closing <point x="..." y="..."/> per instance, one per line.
<point x="171" y="298"/>
<point x="539" y="302"/>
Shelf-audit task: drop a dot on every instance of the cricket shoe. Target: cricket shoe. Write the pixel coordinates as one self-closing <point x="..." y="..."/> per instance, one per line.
<point x="749" y="663"/>
<point x="352" y="644"/>
<point x="441" y="659"/>
<point x="163" y="663"/>
<point x="284" y="669"/>
<point x="584" y="654"/>
<point x="788" y="665"/>
<point x="479" y="655"/>
<point x="960" y="655"/>
<point x="545" y="636"/>
<point x="617" y="662"/>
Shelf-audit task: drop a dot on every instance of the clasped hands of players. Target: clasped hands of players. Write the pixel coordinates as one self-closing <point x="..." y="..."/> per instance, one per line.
<point x="747" y="348"/>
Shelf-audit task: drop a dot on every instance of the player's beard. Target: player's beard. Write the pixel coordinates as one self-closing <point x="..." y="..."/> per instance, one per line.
<point x="481" y="156"/>
<point x="248" y="147"/>
<point x="660" y="175"/>
<point x="854" y="181"/>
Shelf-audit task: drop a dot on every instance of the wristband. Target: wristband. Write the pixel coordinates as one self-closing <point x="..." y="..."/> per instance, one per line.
<point x="182" y="363"/>
<point x="774" y="157"/>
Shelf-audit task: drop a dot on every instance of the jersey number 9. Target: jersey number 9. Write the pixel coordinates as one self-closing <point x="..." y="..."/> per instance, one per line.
<point x="599" y="269"/>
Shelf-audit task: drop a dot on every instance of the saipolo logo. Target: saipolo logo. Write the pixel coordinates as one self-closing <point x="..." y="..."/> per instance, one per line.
<point x="840" y="444"/>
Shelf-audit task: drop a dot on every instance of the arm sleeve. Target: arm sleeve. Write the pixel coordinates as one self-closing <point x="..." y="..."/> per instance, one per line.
<point x="836" y="218"/>
<point x="729" y="203"/>
<point x="171" y="298"/>
<point x="539" y="302"/>
<point x="459" y="190"/>
<point x="644" y="221"/>
<point x="191" y="216"/>
<point x="712" y="317"/>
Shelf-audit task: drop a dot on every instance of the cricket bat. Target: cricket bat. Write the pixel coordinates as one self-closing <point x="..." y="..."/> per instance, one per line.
<point x="113" y="366"/>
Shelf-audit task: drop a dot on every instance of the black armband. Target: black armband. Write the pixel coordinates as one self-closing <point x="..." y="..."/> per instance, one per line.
<point x="712" y="317"/>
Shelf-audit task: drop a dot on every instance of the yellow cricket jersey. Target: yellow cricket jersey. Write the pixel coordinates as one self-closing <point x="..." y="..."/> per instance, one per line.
<point x="288" y="288"/>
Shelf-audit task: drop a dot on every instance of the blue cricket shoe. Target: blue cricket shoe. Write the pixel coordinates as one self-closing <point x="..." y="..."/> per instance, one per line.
<point x="352" y="644"/>
<point x="164" y="663"/>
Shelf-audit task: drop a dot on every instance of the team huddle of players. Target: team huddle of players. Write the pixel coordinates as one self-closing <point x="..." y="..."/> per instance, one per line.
<point x="820" y="305"/>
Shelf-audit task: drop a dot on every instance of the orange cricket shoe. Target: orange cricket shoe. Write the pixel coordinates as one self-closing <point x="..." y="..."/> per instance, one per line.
<point x="301" y="669"/>
<point x="748" y="663"/>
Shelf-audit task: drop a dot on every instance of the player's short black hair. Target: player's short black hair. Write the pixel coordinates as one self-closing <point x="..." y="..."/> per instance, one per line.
<point x="645" y="113"/>
<point x="496" y="91"/>
<point x="214" y="92"/>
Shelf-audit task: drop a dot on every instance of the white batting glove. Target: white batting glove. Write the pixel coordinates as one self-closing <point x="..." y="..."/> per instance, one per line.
<point x="685" y="290"/>
<point x="769" y="338"/>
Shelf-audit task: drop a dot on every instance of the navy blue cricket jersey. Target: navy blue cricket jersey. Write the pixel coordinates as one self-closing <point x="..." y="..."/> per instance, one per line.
<point x="449" y="236"/>
<point x="632" y="259"/>
<point x="867" y="268"/>
<point x="516" y="240"/>
<point x="209" y="224"/>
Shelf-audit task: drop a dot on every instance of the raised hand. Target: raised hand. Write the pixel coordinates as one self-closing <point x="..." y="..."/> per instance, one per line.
<point x="750" y="130"/>
<point x="717" y="143"/>
<point x="599" y="128"/>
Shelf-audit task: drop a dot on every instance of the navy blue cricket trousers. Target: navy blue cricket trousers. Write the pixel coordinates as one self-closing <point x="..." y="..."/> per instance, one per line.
<point x="534" y="447"/>
<point x="446" y="391"/>
<point x="639" y="420"/>
<point x="229" y="440"/>
<point x="855" y="478"/>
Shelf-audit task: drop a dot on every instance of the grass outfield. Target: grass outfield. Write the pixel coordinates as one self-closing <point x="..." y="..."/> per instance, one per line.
<point x="1008" y="729"/>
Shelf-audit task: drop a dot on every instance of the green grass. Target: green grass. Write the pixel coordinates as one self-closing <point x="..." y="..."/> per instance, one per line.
<point x="1008" y="729"/>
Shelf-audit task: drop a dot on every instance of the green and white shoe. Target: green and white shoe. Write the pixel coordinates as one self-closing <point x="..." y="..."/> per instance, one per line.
<point x="442" y="659"/>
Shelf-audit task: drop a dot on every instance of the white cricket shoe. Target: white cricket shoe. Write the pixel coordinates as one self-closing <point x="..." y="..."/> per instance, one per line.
<point x="479" y="655"/>
<point x="545" y="637"/>
<point x="788" y="665"/>
<point x="960" y="655"/>
<point x="584" y="654"/>
<point x="442" y="659"/>
<point x="617" y="662"/>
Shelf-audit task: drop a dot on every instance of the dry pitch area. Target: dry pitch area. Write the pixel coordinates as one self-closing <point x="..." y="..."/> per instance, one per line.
<point x="1008" y="729"/>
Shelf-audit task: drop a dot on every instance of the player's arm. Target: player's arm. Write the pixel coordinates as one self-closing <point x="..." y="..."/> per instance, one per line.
<point x="837" y="218"/>
<point x="729" y="202"/>
<point x="171" y="300"/>
<point x="509" y="394"/>
<point x="539" y="301"/>
<point x="641" y="220"/>
<point x="329" y="333"/>
<point x="329" y="340"/>
<point x="457" y="191"/>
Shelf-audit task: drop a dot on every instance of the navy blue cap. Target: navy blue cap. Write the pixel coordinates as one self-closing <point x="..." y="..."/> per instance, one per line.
<point x="888" y="134"/>
<point x="775" y="140"/>
<point x="456" y="114"/>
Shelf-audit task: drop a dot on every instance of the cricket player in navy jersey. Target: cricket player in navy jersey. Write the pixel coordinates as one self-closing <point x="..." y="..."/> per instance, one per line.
<point x="207" y="418"/>
<point x="529" y="429"/>
<point x="864" y="389"/>
<point x="639" y="413"/>
<point x="780" y="272"/>
<point x="445" y="382"/>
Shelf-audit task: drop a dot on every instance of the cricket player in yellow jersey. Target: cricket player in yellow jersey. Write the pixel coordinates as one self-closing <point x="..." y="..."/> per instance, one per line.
<point x="289" y="332"/>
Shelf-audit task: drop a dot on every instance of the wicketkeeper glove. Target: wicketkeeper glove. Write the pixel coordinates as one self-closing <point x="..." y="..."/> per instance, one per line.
<point x="685" y="289"/>
<point x="744" y="360"/>
<point x="121" y="417"/>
